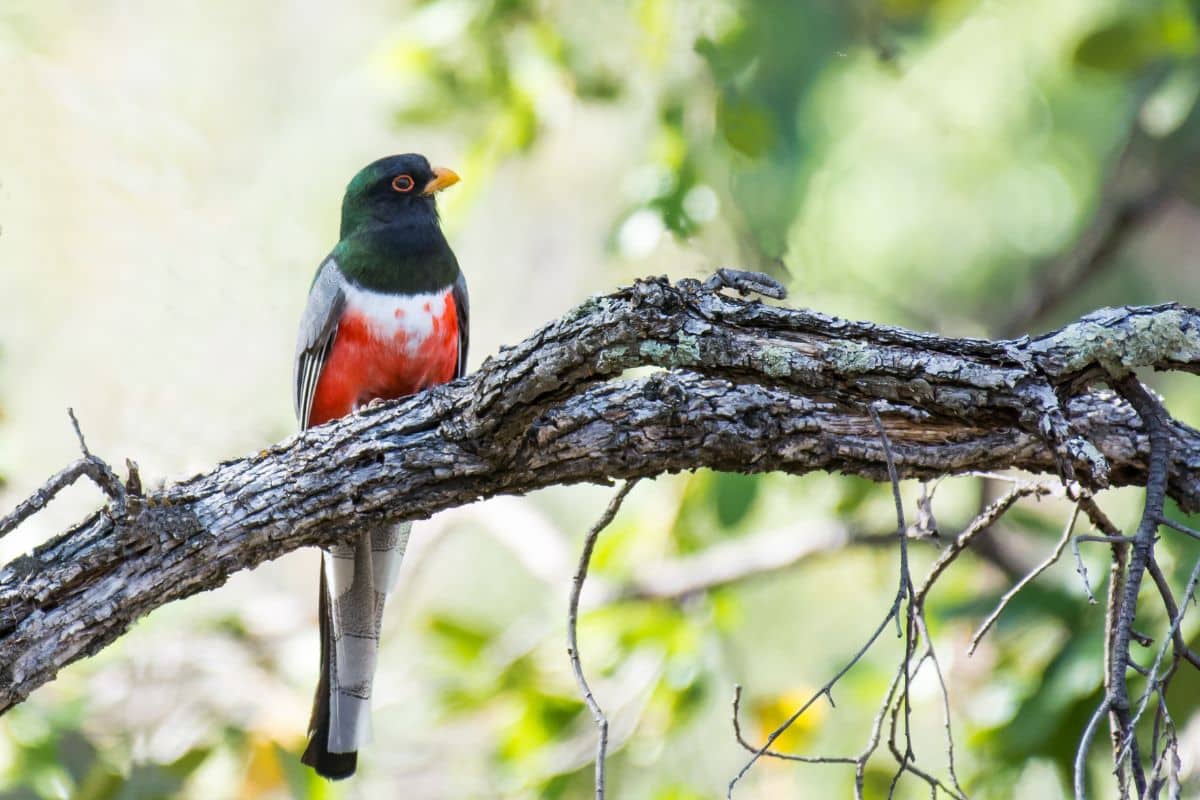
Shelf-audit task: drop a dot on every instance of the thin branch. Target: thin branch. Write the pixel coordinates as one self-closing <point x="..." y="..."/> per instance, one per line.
<point x="982" y="522"/>
<point x="1025" y="581"/>
<point x="1082" y="570"/>
<point x="1179" y="526"/>
<point x="860" y="766"/>
<point x="1164" y="591"/>
<point x="585" y="559"/>
<point x="741" y="739"/>
<point x="905" y="594"/>
<point x="1118" y="575"/>
<point x="904" y="590"/>
<point x="1085" y="744"/>
<point x="923" y="630"/>
<point x="89" y="466"/>
<point x="1155" y="420"/>
<point x="825" y="691"/>
<point x="1153" y="682"/>
<point x="1088" y="537"/>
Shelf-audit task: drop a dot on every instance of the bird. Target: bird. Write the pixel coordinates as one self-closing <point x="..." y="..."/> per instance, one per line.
<point x="387" y="317"/>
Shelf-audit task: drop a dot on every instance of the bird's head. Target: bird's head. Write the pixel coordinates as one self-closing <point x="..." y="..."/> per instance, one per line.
<point x="393" y="189"/>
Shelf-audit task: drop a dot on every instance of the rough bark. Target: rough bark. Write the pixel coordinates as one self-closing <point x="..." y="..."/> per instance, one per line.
<point x="744" y="386"/>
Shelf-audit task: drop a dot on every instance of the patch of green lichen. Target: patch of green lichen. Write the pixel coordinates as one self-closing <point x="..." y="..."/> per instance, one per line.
<point x="1142" y="342"/>
<point x="776" y="361"/>
<point x="850" y="358"/>
<point x="612" y="358"/>
<point x="658" y="352"/>
<point x="596" y="302"/>
<point x="688" y="349"/>
<point x="684" y="352"/>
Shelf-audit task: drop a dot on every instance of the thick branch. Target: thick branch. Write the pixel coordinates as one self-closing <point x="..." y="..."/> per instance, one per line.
<point x="751" y="388"/>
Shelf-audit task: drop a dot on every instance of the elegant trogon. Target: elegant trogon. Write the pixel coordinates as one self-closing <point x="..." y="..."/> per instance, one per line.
<point x="386" y="318"/>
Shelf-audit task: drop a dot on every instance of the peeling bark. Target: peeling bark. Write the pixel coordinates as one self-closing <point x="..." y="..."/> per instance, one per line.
<point x="745" y="386"/>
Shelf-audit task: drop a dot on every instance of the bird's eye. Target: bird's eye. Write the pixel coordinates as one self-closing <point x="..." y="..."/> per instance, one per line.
<point x="403" y="183"/>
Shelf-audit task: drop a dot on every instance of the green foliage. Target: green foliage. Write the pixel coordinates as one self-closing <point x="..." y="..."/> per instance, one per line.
<point x="1139" y="37"/>
<point x="59" y="760"/>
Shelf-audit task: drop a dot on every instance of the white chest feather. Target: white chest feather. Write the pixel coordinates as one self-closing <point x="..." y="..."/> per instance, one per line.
<point x="391" y="316"/>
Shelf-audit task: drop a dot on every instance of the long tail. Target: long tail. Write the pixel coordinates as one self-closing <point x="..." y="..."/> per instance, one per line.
<point x="355" y="580"/>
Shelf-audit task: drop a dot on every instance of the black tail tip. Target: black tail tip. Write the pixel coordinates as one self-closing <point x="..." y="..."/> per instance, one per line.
<point x="334" y="766"/>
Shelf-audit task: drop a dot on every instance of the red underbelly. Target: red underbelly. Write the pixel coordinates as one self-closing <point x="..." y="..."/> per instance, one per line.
<point x="368" y="362"/>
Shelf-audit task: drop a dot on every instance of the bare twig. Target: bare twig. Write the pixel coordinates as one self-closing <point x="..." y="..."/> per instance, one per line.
<point x="904" y="593"/>
<point x="860" y="765"/>
<point x="985" y="520"/>
<point x="1082" y="571"/>
<point x="923" y="630"/>
<point x="1153" y="682"/>
<point x="904" y="590"/>
<point x="1025" y="581"/>
<point x="1088" y="537"/>
<point x="741" y="739"/>
<point x="1179" y="526"/>
<point x="1154" y="419"/>
<point x="585" y="558"/>
<point x="1118" y="574"/>
<point x="89" y="466"/>
<point x="825" y="691"/>
<point x="1085" y="743"/>
<point x="1164" y="591"/>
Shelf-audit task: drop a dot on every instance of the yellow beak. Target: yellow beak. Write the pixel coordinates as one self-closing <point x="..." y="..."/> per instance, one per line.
<point x="442" y="178"/>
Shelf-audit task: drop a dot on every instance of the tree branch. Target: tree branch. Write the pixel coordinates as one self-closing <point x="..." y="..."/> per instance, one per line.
<point x="750" y="387"/>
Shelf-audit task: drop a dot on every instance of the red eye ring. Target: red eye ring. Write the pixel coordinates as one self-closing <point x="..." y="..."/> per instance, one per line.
<point x="403" y="183"/>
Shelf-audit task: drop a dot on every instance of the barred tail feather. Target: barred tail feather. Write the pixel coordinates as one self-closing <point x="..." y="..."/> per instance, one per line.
<point x="334" y="766"/>
<point x="355" y="579"/>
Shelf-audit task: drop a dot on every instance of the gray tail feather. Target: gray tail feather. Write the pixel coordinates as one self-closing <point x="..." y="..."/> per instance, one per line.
<point x="355" y="579"/>
<point x="334" y="766"/>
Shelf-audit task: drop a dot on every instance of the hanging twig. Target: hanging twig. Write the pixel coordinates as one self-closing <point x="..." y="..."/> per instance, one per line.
<point x="986" y="625"/>
<point x="585" y="558"/>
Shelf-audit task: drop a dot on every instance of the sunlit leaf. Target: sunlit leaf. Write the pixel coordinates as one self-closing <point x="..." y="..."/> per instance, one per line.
<point x="733" y="496"/>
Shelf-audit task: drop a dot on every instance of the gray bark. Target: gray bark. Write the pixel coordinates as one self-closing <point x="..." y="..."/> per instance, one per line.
<point x="744" y="386"/>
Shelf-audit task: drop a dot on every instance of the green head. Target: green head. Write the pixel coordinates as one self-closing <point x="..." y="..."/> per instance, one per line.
<point x="394" y="189"/>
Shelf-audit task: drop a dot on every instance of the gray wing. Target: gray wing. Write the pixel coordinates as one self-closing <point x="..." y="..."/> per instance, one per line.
<point x="318" y="326"/>
<point x="462" y="307"/>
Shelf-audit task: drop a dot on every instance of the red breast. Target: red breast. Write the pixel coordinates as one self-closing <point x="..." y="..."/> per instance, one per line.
<point x="387" y="346"/>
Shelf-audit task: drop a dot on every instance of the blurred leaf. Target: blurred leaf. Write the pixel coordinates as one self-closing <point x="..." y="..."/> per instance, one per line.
<point x="461" y="640"/>
<point x="1049" y="718"/>
<point x="1139" y="38"/>
<point x="853" y="491"/>
<point x="568" y="785"/>
<point x="148" y="782"/>
<point x="76" y="754"/>
<point x="734" y="495"/>
<point x="543" y="718"/>
<point x="746" y="126"/>
<point x="678" y="791"/>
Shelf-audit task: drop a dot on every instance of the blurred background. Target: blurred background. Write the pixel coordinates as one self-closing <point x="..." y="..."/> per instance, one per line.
<point x="170" y="177"/>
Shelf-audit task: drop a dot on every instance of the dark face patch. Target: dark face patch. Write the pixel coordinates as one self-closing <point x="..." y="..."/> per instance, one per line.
<point x="376" y="195"/>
